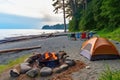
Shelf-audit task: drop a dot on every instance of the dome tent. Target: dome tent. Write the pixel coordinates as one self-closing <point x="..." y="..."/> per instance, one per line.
<point x="98" y="48"/>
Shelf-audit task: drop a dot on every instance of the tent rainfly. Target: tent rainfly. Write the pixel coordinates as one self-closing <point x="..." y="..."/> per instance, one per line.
<point x="98" y="48"/>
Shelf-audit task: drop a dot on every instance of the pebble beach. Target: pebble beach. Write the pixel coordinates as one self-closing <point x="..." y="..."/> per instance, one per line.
<point x="56" y="44"/>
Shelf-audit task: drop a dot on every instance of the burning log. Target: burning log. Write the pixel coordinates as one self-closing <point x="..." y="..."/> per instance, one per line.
<point x="50" y="56"/>
<point x="49" y="59"/>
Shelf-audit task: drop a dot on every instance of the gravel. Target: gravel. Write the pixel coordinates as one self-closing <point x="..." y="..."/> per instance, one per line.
<point x="62" y="43"/>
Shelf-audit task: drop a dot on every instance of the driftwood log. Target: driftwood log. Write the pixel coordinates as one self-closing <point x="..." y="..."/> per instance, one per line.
<point x="19" y="49"/>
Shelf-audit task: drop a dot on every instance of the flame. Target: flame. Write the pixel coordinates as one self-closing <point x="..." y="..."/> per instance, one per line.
<point x="47" y="55"/>
<point x="50" y="56"/>
<point x="54" y="56"/>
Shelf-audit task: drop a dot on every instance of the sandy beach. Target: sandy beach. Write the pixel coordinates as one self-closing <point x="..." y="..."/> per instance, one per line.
<point x="60" y="43"/>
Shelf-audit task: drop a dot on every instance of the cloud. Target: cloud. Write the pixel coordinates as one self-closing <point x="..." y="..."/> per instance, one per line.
<point x="20" y="7"/>
<point x="33" y="8"/>
<point x="42" y="9"/>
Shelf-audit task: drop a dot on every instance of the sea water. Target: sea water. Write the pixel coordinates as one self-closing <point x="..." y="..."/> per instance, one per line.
<point x="6" y="33"/>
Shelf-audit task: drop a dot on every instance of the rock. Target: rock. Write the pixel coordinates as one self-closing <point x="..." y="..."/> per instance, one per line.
<point x="25" y="67"/>
<point x="25" y="63"/>
<point x="15" y="72"/>
<point x="45" y="71"/>
<point x="33" y="72"/>
<point x="62" y="54"/>
<point x="117" y="42"/>
<point x="28" y="60"/>
<point x="70" y="62"/>
<point x="87" y="67"/>
<point x="57" y="70"/>
<point x="64" y="67"/>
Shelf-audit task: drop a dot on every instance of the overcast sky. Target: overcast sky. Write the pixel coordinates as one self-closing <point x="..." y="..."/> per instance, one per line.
<point x="36" y="9"/>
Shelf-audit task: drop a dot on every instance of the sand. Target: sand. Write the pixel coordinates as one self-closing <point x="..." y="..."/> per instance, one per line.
<point x="62" y="43"/>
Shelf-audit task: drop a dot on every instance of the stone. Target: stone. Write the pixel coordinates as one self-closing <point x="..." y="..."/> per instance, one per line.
<point x="45" y="71"/>
<point x="61" y="54"/>
<point x="28" y="60"/>
<point x="15" y="72"/>
<point x="87" y="67"/>
<point x="70" y="62"/>
<point x="57" y="70"/>
<point x="64" y="67"/>
<point x="25" y="63"/>
<point x="33" y="72"/>
<point x="25" y="67"/>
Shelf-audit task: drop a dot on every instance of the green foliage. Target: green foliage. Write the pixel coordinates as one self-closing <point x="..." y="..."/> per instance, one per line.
<point x="72" y="9"/>
<point x="93" y="14"/>
<point x="12" y="63"/>
<point x="73" y="25"/>
<point x="110" y="10"/>
<point x="87" y="21"/>
<point x="108" y="74"/>
<point x="114" y="35"/>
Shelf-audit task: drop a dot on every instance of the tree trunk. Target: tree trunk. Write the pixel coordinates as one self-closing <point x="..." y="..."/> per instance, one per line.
<point x="64" y="16"/>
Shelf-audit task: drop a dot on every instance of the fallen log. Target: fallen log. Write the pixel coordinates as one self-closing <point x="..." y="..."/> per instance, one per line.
<point x="19" y="49"/>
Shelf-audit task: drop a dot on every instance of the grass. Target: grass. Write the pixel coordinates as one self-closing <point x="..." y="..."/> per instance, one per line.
<point x="108" y="74"/>
<point x="115" y="35"/>
<point x="12" y="63"/>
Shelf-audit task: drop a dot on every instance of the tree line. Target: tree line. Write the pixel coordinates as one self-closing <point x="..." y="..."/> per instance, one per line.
<point x="90" y="14"/>
<point x="57" y="26"/>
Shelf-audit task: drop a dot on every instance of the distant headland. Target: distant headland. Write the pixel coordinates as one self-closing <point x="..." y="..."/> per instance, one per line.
<point x="57" y="26"/>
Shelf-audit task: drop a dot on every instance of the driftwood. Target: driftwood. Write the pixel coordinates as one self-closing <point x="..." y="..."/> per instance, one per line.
<point x="19" y="49"/>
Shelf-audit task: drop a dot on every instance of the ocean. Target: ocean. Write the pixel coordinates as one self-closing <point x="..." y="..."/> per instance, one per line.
<point x="7" y="33"/>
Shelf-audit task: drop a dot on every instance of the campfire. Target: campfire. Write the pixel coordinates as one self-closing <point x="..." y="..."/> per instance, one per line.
<point x="49" y="59"/>
<point x="50" y="56"/>
<point x="44" y="64"/>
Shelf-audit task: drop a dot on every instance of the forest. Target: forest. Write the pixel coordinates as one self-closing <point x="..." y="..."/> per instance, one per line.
<point x="96" y="15"/>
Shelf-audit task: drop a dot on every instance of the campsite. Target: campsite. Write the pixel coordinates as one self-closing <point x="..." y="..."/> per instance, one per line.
<point x="59" y="40"/>
<point x="90" y="70"/>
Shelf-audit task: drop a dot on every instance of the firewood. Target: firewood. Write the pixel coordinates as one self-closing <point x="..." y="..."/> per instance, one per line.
<point x="62" y="54"/>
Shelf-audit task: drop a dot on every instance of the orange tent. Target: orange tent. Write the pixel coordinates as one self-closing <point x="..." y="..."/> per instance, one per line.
<point x="99" y="49"/>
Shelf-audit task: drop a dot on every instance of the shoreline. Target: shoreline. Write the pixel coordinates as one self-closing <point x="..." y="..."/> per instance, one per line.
<point x="42" y="36"/>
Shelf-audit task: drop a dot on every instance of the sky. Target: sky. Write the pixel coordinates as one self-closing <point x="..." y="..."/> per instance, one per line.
<point x="27" y="14"/>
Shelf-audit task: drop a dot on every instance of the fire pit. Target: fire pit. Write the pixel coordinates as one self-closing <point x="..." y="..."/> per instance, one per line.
<point x="47" y="63"/>
<point x="49" y="59"/>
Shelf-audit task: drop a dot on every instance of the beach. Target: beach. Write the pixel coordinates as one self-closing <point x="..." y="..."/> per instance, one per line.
<point x="60" y="43"/>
